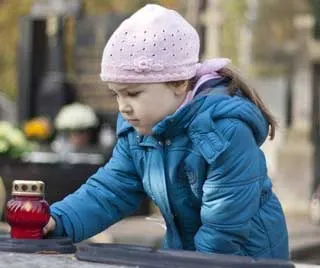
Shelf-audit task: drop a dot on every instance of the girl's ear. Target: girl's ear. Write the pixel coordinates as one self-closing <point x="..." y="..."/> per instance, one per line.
<point x="181" y="89"/>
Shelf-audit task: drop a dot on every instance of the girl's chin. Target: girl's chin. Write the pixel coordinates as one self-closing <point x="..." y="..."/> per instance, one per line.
<point x="143" y="131"/>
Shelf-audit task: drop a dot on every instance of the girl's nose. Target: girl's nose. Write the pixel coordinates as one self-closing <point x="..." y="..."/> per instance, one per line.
<point x="124" y="107"/>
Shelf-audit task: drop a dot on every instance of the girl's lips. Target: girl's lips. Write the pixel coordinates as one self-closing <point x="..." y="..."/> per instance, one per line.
<point x="132" y="120"/>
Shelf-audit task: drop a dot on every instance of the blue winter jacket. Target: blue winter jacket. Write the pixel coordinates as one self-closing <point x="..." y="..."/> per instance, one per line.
<point x="202" y="167"/>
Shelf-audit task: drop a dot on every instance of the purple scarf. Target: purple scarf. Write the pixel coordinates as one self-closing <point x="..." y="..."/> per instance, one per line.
<point x="206" y="71"/>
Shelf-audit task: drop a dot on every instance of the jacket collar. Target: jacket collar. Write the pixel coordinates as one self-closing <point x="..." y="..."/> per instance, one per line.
<point x="181" y="119"/>
<point x="122" y="125"/>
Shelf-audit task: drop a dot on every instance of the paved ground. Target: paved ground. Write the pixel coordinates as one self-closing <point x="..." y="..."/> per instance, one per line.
<point x="302" y="232"/>
<point x="304" y="239"/>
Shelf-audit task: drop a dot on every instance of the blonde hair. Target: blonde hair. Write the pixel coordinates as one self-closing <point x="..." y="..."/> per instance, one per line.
<point x="239" y="82"/>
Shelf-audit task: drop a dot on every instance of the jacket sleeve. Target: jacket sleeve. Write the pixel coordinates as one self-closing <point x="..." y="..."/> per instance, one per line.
<point x="112" y="193"/>
<point x="231" y="192"/>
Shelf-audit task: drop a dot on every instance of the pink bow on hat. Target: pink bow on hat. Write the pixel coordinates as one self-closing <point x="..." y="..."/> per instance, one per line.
<point x="206" y="71"/>
<point x="211" y="66"/>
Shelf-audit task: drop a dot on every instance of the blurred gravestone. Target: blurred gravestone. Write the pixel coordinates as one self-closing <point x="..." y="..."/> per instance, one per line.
<point x="43" y="87"/>
<point x="32" y="49"/>
<point x="92" y="33"/>
<point x="315" y="4"/>
<point x="54" y="89"/>
<point x="295" y="156"/>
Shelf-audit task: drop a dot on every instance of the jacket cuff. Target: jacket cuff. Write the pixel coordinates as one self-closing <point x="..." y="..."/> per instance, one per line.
<point x="59" y="229"/>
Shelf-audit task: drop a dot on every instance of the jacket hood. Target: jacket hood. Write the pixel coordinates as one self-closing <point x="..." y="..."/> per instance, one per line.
<point x="214" y="102"/>
<point x="242" y="109"/>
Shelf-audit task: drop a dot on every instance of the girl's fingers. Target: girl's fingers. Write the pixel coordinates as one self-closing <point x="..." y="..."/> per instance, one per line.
<point x="49" y="227"/>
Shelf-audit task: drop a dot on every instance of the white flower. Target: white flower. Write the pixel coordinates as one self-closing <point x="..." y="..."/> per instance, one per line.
<point x="143" y="64"/>
<point x="13" y="135"/>
<point x="76" y="116"/>
<point x="4" y="145"/>
<point x="17" y="138"/>
<point x="12" y="140"/>
<point x="5" y="128"/>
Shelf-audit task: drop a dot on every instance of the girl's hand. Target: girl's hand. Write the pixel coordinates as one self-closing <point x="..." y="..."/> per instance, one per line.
<point x="51" y="225"/>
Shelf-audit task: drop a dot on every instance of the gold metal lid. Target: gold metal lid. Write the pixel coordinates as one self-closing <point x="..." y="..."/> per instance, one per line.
<point x="32" y="188"/>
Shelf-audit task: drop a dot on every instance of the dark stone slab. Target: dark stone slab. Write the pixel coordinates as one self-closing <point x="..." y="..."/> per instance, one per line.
<point x="18" y="260"/>
<point x="147" y="257"/>
<point x="49" y="246"/>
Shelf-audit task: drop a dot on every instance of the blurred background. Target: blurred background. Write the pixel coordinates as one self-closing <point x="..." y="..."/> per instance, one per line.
<point x="57" y="120"/>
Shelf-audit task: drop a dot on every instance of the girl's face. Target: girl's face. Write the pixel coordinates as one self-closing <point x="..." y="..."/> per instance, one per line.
<point x="144" y="105"/>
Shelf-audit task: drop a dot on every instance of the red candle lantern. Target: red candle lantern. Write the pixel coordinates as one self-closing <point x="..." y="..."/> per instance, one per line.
<point x="27" y="211"/>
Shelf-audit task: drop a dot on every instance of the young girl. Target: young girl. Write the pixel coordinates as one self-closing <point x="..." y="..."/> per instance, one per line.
<point x="188" y="137"/>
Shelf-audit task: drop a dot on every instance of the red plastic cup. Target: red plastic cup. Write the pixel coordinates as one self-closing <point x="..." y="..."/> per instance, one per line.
<point x="27" y="210"/>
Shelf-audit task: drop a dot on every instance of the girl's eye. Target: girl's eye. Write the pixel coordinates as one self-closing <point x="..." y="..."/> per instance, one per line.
<point x="114" y="94"/>
<point x="133" y="94"/>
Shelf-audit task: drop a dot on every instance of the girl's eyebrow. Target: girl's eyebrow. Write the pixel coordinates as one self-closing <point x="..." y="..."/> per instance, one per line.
<point x="126" y="87"/>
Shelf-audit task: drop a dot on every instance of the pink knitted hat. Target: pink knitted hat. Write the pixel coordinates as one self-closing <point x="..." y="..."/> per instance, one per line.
<point x="155" y="44"/>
